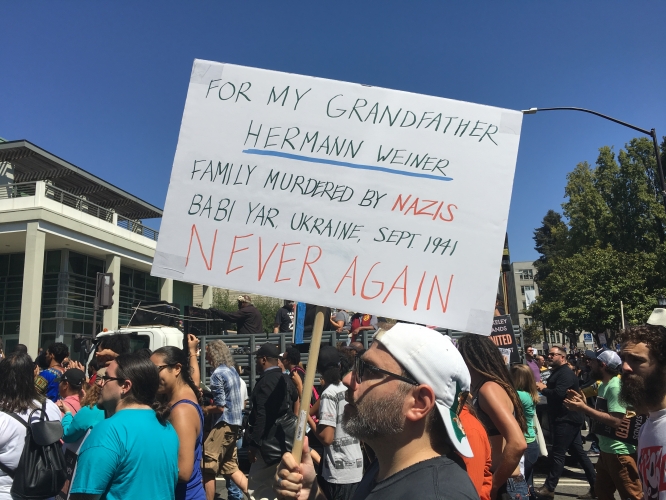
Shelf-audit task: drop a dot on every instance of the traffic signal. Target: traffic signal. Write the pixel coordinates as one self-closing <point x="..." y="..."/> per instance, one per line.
<point x="105" y="286"/>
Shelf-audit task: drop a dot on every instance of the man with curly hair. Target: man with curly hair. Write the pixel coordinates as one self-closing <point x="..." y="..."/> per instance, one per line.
<point x="644" y="388"/>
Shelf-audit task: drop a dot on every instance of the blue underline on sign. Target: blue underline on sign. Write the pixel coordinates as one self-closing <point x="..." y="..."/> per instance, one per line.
<point x="337" y="163"/>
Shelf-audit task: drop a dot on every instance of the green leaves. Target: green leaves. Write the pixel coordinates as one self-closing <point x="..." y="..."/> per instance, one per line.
<point x="609" y="248"/>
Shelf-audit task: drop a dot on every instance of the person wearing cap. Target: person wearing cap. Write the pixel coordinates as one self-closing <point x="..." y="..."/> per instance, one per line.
<point x="404" y="397"/>
<point x="565" y="424"/>
<point x="70" y="386"/>
<point x="616" y="467"/>
<point x="643" y="388"/>
<point x="500" y="410"/>
<point x="274" y="395"/>
<point x="247" y="318"/>
<point x="342" y="467"/>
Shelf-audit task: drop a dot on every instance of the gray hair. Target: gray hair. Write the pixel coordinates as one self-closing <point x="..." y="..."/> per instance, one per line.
<point x="220" y="354"/>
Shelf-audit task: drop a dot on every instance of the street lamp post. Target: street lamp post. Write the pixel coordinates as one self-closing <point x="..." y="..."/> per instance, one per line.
<point x="652" y="133"/>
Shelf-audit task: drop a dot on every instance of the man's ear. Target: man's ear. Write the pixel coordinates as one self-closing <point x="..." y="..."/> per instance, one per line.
<point x="127" y="386"/>
<point x="420" y="401"/>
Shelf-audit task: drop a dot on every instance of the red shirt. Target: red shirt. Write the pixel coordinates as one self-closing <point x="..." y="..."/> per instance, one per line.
<point x="478" y="467"/>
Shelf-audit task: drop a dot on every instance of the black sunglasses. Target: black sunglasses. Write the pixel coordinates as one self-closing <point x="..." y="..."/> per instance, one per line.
<point x="105" y="378"/>
<point x="361" y="366"/>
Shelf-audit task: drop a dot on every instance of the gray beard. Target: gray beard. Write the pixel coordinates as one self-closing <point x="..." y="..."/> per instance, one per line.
<point x="373" y="419"/>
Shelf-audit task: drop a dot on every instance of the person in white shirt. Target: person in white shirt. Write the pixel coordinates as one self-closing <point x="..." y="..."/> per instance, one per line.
<point x="18" y="395"/>
<point x="644" y="389"/>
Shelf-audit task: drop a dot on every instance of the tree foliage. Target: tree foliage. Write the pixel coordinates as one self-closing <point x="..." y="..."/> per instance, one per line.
<point x="607" y="247"/>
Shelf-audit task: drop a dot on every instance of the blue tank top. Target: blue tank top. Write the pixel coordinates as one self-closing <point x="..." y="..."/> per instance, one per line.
<point x="193" y="489"/>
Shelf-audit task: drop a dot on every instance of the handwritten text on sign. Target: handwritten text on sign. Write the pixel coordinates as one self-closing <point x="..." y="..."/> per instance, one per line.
<point x="340" y="194"/>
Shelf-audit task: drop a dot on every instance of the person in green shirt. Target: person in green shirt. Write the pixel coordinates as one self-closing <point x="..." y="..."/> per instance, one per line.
<point x="616" y="467"/>
<point x="525" y="384"/>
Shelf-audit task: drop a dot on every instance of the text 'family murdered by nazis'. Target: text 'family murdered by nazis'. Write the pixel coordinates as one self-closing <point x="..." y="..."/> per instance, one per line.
<point x="340" y="194"/>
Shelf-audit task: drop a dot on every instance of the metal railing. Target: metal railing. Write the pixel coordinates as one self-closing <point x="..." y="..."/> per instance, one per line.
<point x="18" y="190"/>
<point x="137" y="227"/>
<point x="78" y="203"/>
<point x="24" y="189"/>
<point x="247" y="344"/>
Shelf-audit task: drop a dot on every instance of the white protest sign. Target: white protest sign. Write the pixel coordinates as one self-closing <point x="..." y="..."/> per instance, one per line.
<point x="339" y="194"/>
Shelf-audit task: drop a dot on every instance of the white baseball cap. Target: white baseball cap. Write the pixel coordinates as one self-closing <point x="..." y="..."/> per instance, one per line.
<point x="658" y="317"/>
<point x="610" y="359"/>
<point x="432" y="359"/>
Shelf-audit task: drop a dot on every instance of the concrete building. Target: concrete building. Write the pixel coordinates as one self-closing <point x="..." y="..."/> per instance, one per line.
<point x="521" y="280"/>
<point x="59" y="227"/>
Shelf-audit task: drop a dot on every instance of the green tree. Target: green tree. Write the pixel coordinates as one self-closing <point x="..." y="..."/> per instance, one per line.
<point x="609" y="246"/>
<point x="584" y="291"/>
<point x="551" y="242"/>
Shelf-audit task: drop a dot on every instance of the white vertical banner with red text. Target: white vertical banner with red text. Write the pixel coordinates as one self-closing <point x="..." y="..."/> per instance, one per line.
<point x="340" y="194"/>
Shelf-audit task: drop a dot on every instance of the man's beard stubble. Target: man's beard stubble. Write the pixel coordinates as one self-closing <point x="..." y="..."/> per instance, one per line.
<point x="642" y="394"/>
<point x="376" y="418"/>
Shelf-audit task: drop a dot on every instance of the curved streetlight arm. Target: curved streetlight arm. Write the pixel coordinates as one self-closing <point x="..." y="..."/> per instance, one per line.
<point x="532" y="111"/>
<point x="652" y="133"/>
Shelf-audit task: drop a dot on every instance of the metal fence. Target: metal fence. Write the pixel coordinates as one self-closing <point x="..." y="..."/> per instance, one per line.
<point x="21" y="189"/>
<point x="137" y="227"/>
<point x="17" y="190"/>
<point x="243" y="345"/>
<point x="79" y="203"/>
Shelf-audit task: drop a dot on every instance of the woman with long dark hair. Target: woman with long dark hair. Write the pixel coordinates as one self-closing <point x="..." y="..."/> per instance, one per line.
<point x="18" y="395"/>
<point x="183" y="396"/>
<point x="499" y="408"/>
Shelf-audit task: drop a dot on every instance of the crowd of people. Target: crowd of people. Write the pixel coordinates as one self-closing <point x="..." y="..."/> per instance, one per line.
<point x="415" y="414"/>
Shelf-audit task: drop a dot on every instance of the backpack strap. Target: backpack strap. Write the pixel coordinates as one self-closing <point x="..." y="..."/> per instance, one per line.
<point x="3" y="467"/>
<point x="16" y="417"/>
<point x="7" y="470"/>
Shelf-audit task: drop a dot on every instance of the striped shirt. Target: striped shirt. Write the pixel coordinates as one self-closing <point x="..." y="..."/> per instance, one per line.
<point x="225" y="384"/>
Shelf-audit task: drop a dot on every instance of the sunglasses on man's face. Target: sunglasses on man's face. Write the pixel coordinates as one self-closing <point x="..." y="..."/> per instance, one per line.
<point x="101" y="381"/>
<point x="361" y="368"/>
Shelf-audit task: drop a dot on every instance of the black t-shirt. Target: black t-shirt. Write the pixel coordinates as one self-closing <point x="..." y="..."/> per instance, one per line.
<point x="437" y="478"/>
<point x="283" y="320"/>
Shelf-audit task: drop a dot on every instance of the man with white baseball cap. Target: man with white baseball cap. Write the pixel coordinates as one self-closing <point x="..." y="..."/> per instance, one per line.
<point x="616" y="467"/>
<point x="404" y="398"/>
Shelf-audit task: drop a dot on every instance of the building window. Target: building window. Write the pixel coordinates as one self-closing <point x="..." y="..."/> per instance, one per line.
<point x="528" y="321"/>
<point x="525" y="287"/>
<point x="69" y="296"/>
<point x="11" y="291"/>
<point x="524" y="305"/>
<point x="135" y="286"/>
<point x="526" y="274"/>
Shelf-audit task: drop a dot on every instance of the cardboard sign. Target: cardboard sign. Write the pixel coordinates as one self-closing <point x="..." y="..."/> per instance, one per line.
<point x="628" y="430"/>
<point x="345" y="195"/>
<point x="503" y="337"/>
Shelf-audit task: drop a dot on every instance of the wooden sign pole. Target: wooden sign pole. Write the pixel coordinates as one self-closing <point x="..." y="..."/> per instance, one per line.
<point x="310" y="372"/>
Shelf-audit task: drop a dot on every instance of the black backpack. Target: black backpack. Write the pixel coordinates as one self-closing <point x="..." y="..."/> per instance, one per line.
<point x="41" y="471"/>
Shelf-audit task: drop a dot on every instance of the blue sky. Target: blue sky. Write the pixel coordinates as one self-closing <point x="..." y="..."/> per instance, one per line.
<point x="103" y="84"/>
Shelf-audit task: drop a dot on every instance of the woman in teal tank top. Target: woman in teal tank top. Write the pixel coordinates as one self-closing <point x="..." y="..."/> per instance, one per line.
<point x="182" y="394"/>
<point x="523" y="381"/>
